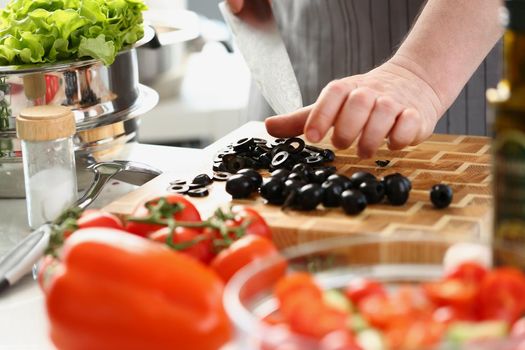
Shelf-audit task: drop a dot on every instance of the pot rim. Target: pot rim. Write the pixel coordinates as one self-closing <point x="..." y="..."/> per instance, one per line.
<point x="149" y="33"/>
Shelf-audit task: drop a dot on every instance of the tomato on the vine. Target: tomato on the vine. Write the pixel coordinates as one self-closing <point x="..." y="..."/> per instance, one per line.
<point x="186" y="240"/>
<point x="99" y="218"/>
<point x="257" y="225"/>
<point x="171" y="206"/>
<point x="240" y="253"/>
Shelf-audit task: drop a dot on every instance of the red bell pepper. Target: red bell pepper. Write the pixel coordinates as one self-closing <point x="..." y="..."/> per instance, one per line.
<point x="113" y="290"/>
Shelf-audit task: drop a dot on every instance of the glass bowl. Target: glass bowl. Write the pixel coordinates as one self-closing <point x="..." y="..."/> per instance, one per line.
<point x="392" y="260"/>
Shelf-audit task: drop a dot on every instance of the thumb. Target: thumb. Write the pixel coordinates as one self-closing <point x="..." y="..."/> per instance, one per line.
<point x="288" y="125"/>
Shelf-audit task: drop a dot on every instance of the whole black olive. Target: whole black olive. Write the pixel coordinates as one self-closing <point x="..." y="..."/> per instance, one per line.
<point x="353" y="202"/>
<point x="302" y="169"/>
<point x="308" y="197"/>
<point x="254" y="176"/>
<point x="332" y="193"/>
<point x="441" y="196"/>
<point x="361" y="176"/>
<point x="273" y="191"/>
<point x="280" y="174"/>
<point x="373" y="190"/>
<point x="396" y="190"/>
<point x="297" y="176"/>
<point x="319" y="176"/>
<point x="239" y="186"/>
<point x="407" y="182"/>
<point x="292" y="186"/>
<point x="342" y="179"/>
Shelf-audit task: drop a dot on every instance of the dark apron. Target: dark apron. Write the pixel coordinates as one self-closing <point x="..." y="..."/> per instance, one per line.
<point x="330" y="39"/>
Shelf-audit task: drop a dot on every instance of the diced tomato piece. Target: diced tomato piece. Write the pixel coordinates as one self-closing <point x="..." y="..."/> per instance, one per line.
<point x="339" y="340"/>
<point x="502" y="295"/>
<point x="291" y="284"/>
<point x="452" y="292"/>
<point x="470" y="272"/>
<point x="361" y="288"/>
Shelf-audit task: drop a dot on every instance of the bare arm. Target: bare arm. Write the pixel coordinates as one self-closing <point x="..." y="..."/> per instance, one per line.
<point x="403" y="99"/>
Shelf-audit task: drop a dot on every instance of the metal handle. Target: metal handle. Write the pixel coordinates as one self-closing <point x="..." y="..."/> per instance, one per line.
<point x="103" y="173"/>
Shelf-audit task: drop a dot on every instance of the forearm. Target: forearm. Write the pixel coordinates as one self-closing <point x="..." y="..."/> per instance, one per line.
<point x="448" y="42"/>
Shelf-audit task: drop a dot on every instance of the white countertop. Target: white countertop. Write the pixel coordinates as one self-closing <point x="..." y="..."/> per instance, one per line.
<point x="23" y="324"/>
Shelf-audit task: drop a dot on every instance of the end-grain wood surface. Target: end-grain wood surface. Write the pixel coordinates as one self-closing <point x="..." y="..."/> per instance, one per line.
<point x="463" y="162"/>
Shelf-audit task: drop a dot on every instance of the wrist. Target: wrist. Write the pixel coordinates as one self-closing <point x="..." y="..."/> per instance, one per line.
<point x="405" y="66"/>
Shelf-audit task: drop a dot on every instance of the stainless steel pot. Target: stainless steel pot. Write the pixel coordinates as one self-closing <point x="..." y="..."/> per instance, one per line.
<point x="105" y="101"/>
<point x="165" y="52"/>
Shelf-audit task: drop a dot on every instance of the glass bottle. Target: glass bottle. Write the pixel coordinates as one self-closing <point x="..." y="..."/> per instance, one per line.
<point x="508" y="104"/>
<point x="48" y="156"/>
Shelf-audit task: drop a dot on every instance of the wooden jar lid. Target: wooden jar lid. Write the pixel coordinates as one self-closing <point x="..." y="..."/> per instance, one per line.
<point x="45" y="123"/>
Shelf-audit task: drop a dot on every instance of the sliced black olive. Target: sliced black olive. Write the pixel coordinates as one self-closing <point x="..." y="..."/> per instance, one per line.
<point x="202" y="179"/>
<point x="254" y="176"/>
<point x="441" y="196"/>
<point x="194" y="186"/>
<point x="382" y="163"/>
<point x="373" y="190"/>
<point x="314" y="160"/>
<point x="328" y="155"/>
<point x="198" y="192"/>
<point x="273" y="191"/>
<point x="221" y="176"/>
<point x="295" y="145"/>
<point x="314" y="149"/>
<point x="178" y="182"/>
<point x="353" y="202"/>
<point x="239" y="186"/>
<point x="281" y="160"/>
<point x="243" y="145"/>
<point x="180" y="189"/>
<point x="361" y="176"/>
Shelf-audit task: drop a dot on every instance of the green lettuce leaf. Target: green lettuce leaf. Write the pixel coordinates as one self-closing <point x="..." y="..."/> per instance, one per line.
<point x="47" y="31"/>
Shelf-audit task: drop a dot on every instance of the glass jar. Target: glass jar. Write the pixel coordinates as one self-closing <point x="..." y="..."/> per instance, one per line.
<point x="49" y="161"/>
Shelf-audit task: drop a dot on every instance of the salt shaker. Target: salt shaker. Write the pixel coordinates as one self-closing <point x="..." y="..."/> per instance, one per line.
<point x="47" y="133"/>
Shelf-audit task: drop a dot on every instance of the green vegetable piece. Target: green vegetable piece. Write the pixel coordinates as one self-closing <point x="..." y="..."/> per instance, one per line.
<point x="462" y="332"/>
<point x="337" y="300"/>
<point x="371" y="339"/>
<point x="357" y="323"/>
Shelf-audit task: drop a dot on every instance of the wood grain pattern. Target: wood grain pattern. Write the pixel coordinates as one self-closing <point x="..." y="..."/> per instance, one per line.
<point x="463" y="162"/>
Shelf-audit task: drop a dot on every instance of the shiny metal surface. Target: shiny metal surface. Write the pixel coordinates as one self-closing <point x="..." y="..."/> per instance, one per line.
<point x="257" y="36"/>
<point x="92" y="90"/>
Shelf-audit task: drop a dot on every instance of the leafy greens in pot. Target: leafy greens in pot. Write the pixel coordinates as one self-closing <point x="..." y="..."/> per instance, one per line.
<point x="47" y="31"/>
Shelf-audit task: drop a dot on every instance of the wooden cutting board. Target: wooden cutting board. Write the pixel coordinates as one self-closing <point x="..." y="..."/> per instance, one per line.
<point x="463" y="162"/>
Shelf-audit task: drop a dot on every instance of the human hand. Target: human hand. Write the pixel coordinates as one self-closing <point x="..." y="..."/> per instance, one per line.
<point x="237" y="5"/>
<point x="390" y="102"/>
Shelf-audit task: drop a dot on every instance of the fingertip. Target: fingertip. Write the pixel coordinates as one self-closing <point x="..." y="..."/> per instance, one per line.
<point x="236" y="5"/>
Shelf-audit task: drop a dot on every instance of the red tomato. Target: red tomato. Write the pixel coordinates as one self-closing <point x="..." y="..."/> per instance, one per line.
<point x="469" y="272"/>
<point x="99" y="218"/>
<point x="52" y="87"/>
<point x="186" y="240"/>
<point x="47" y="267"/>
<point x="187" y="212"/>
<point x="449" y="314"/>
<point x="339" y="340"/>
<point x="312" y="317"/>
<point x="518" y="328"/>
<point x="360" y="288"/>
<point x="240" y="253"/>
<point x="502" y="295"/>
<point x="453" y="292"/>
<point x="257" y="226"/>
<point x="297" y="282"/>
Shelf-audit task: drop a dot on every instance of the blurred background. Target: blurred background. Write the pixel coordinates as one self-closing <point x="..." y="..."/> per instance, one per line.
<point x="202" y="82"/>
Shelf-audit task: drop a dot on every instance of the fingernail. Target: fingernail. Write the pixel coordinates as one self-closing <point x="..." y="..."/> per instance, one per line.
<point x="313" y="135"/>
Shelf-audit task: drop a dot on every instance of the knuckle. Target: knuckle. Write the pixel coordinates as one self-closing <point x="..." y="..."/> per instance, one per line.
<point x="336" y="87"/>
